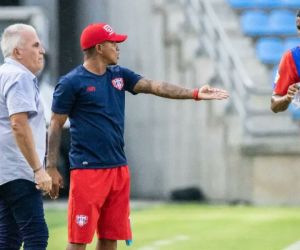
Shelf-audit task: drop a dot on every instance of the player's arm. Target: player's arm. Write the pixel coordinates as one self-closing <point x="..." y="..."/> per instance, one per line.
<point x="280" y="103"/>
<point x="25" y="141"/>
<point x="54" y="137"/>
<point x="168" y="90"/>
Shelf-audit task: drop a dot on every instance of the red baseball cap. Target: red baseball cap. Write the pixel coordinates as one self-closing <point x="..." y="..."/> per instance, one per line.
<point x="98" y="33"/>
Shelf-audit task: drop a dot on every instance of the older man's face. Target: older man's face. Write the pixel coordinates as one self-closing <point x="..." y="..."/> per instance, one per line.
<point x="31" y="52"/>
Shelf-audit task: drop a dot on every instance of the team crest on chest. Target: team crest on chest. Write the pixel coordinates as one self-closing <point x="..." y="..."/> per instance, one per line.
<point x="91" y="89"/>
<point x="81" y="220"/>
<point x="118" y="83"/>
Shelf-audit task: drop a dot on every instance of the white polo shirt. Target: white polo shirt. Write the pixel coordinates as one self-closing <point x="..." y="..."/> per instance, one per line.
<point x="19" y="92"/>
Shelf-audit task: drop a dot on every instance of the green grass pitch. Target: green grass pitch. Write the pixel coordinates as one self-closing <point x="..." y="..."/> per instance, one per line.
<point x="199" y="227"/>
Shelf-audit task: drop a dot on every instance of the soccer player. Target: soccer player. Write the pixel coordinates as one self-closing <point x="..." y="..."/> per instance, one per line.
<point x="288" y="76"/>
<point x="22" y="141"/>
<point x="93" y="97"/>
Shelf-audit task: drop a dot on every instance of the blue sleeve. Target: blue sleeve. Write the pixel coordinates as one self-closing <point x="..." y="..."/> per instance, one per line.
<point x="131" y="78"/>
<point x="21" y="96"/>
<point x="63" y="97"/>
<point x="296" y="57"/>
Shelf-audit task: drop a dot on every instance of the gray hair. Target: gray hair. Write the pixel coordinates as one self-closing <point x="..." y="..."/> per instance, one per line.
<point x="11" y="37"/>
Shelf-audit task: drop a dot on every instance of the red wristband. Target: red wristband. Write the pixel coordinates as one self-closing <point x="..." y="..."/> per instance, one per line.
<point x="195" y="94"/>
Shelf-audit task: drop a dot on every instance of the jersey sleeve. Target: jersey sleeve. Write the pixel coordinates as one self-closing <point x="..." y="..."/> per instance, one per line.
<point x="21" y="96"/>
<point x="63" y="97"/>
<point x="286" y="74"/>
<point x="131" y="78"/>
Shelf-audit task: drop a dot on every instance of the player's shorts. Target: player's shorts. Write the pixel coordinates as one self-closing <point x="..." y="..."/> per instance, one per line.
<point x="99" y="201"/>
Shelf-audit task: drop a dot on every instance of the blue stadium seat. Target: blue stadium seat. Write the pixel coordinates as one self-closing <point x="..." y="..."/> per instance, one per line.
<point x="254" y="23"/>
<point x="282" y="22"/>
<point x="269" y="50"/>
<point x="242" y="4"/>
<point x="295" y="112"/>
<point x="268" y="4"/>
<point x="290" y="43"/>
<point x="290" y="4"/>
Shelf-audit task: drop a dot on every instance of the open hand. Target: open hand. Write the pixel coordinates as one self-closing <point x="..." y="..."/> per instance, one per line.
<point x="292" y="90"/>
<point x="208" y="93"/>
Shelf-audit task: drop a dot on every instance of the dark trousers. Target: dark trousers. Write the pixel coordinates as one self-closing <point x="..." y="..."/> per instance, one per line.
<point x="22" y="217"/>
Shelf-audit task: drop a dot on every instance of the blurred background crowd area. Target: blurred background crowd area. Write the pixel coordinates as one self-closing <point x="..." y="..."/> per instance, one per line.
<point x="234" y="151"/>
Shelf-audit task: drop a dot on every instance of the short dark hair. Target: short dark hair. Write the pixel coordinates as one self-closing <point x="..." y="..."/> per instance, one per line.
<point x="89" y="52"/>
<point x="298" y="13"/>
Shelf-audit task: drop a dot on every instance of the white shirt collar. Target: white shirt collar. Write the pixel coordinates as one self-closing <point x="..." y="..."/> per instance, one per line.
<point x="20" y="65"/>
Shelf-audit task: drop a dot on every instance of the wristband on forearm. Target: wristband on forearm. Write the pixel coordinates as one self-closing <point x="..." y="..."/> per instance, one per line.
<point x="36" y="170"/>
<point x="196" y="94"/>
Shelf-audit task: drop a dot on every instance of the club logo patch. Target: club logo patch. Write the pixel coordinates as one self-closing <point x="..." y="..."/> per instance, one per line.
<point x="118" y="83"/>
<point x="91" y="89"/>
<point x="81" y="220"/>
<point x="108" y="29"/>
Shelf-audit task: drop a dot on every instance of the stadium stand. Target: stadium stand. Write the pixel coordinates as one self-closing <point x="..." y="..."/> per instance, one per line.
<point x="260" y="23"/>
<point x="268" y="4"/>
<point x="271" y="24"/>
<point x="290" y="43"/>
<point x="295" y="112"/>
<point x="282" y="23"/>
<point x="254" y="23"/>
<point x="261" y="19"/>
<point x="269" y="49"/>
<point x="267" y="140"/>
<point x="292" y="4"/>
<point x="264" y="4"/>
<point x="242" y="4"/>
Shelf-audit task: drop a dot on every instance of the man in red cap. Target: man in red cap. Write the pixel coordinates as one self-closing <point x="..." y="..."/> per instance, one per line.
<point x="92" y="96"/>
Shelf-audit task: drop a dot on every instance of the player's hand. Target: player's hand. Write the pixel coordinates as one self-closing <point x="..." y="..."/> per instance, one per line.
<point x="292" y="90"/>
<point x="43" y="180"/>
<point x="57" y="182"/>
<point x="208" y="93"/>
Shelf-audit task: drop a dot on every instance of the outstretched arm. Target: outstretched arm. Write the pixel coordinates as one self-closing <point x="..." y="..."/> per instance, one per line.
<point x="173" y="91"/>
<point x="54" y="138"/>
<point x="280" y="103"/>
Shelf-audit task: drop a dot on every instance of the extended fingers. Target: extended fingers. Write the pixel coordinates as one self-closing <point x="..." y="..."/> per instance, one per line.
<point x="217" y="90"/>
<point x="45" y="184"/>
<point x="292" y="90"/>
<point x="57" y="184"/>
<point x="54" y="192"/>
<point x="221" y="94"/>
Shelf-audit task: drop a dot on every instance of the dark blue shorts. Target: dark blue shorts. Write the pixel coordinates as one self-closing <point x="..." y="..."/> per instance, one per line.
<point x="22" y="217"/>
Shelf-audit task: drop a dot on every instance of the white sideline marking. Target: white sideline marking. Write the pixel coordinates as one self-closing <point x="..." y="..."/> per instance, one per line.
<point x="164" y="242"/>
<point x="294" y="246"/>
